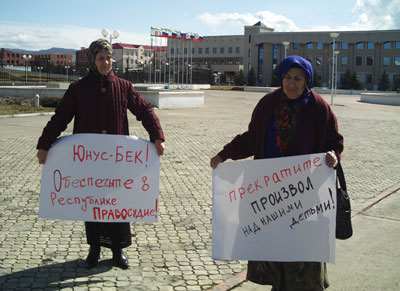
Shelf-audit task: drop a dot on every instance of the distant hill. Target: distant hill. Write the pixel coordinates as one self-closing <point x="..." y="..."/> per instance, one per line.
<point x="54" y="50"/>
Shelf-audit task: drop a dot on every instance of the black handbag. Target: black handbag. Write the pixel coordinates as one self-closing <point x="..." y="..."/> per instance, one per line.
<point x="344" y="228"/>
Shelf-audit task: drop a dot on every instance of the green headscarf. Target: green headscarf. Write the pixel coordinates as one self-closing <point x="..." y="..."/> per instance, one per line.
<point x="100" y="45"/>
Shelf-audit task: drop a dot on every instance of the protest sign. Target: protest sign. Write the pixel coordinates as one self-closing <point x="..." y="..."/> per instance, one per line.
<point x="279" y="209"/>
<point x="102" y="178"/>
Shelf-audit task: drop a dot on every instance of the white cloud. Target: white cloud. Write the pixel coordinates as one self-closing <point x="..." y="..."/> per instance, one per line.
<point x="39" y="37"/>
<point x="377" y="14"/>
<point x="370" y="14"/>
<point x="278" y="22"/>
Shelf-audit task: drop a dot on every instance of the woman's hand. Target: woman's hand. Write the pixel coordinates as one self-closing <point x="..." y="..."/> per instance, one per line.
<point x="215" y="161"/>
<point x="160" y="147"/>
<point x="331" y="159"/>
<point x="41" y="155"/>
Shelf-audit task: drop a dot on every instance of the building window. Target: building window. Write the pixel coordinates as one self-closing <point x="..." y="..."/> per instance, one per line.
<point x="360" y="46"/>
<point x="318" y="60"/>
<point x="343" y="61"/>
<point x="275" y="56"/>
<point x="238" y="50"/>
<point x="230" y="50"/>
<point x="319" y="46"/>
<point x="221" y="50"/>
<point x="260" y="62"/>
<point x="200" y="50"/>
<point x="192" y="50"/>
<point x="397" y="61"/>
<point x="249" y="53"/>
<point x="397" y="45"/>
<point x="309" y="46"/>
<point x="370" y="45"/>
<point x="249" y="38"/>
<point x="309" y="58"/>
<point x="295" y="46"/>
<point x="370" y="61"/>
<point x="207" y="50"/>
<point x="395" y="78"/>
<point x="386" y="61"/>
<point x="368" y="78"/>
<point x="358" y="61"/>
<point x="386" y="45"/>
<point x="214" y="50"/>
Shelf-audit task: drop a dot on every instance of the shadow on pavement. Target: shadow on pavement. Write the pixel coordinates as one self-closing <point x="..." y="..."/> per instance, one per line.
<point x="54" y="276"/>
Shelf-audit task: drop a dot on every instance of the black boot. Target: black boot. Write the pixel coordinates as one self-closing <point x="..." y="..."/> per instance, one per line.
<point x="120" y="259"/>
<point x="93" y="256"/>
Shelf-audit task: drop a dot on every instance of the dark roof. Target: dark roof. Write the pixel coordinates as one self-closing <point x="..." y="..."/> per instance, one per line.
<point x="259" y="24"/>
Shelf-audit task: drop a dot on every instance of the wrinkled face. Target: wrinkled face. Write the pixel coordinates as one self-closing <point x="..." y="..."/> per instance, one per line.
<point x="294" y="83"/>
<point x="103" y="63"/>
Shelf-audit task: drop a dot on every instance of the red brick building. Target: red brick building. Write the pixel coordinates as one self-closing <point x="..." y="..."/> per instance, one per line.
<point x="9" y="58"/>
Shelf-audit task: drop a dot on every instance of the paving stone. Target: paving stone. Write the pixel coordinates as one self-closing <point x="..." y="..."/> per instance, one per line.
<point x="175" y="253"/>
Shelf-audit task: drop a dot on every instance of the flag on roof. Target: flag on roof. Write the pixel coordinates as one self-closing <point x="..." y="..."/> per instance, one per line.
<point x="155" y="31"/>
<point x="165" y="33"/>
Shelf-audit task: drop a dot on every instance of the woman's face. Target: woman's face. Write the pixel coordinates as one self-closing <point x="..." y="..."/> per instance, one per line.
<point x="294" y="83"/>
<point x="103" y="63"/>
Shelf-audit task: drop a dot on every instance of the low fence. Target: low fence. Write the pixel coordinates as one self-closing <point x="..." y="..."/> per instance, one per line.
<point x="34" y="74"/>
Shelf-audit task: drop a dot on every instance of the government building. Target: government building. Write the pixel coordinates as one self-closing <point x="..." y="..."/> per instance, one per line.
<point x="367" y="53"/>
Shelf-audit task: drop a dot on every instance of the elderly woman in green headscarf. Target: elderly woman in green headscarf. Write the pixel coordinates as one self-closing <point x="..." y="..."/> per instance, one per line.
<point x="99" y="103"/>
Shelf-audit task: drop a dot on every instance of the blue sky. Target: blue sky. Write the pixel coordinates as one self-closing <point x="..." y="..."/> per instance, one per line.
<point x="43" y="24"/>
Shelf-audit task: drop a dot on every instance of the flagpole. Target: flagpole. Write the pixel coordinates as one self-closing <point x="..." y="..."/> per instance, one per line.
<point x="151" y="49"/>
<point x="191" y="60"/>
<point x="187" y="63"/>
<point x="177" y="64"/>
<point x="160" y="54"/>
<point x="155" y="62"/>
<point x="173" y="71"/>
<point x="183" y="61"/>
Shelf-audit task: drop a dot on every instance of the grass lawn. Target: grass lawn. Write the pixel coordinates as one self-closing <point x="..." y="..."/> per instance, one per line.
<point x="22" y="109"/>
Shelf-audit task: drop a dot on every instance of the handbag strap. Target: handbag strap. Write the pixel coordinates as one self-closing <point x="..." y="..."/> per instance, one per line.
<point x="340" y="177"/>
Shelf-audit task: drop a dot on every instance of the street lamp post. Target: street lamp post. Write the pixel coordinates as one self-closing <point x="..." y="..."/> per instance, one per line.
<point x="26" y="58"/>
<point x="333" y="35"/>
<point x="165" y="72"/>
<point x="113" y="35"/>
<point x="67" y="67"/>
<point x="285" y="44"/>
<point x="40" y="74"/>
<point x="336" y="74"/>
<point x="191" y="73"/>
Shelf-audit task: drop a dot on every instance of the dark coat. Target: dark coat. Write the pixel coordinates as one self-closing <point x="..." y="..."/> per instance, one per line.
<point x="316" y="131"/>
<point x="100" y="106"/>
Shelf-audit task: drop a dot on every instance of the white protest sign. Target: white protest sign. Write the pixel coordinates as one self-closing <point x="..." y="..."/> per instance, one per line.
<point x="100" y="177"/>
<point x="279" y="209"/>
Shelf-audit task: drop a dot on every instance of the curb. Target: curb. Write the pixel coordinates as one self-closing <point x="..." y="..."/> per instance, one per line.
<point x="27" y="114"/>
<point x="241" y="277"/>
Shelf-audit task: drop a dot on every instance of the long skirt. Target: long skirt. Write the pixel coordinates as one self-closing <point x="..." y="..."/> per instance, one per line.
<point x="109" y="235"/>
<point x="293" y="276"/>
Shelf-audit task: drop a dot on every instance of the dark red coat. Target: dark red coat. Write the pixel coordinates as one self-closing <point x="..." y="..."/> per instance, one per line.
<point x="100" y="107"/>
<point x="316" y="131"/>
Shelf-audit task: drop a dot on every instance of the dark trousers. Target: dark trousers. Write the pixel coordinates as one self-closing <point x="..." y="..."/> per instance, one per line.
<point x="109" y="235"/>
